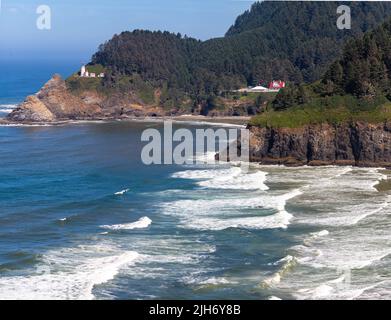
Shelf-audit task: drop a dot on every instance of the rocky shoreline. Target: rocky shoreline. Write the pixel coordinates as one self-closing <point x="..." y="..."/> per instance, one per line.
<point x="234" y="121"/>
<point x="56" y="102"/>
<point x="355" y="144"/>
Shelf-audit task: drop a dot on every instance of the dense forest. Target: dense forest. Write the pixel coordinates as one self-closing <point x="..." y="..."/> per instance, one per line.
<point x="302" y="36"/>
<point x="365" y="67"/>
<point x="293" y="41"/>
<point x="356" y="86"/>
<point x="363" y="72"/>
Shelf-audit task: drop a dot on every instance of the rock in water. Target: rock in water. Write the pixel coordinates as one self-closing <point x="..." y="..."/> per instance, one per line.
<point x="32" y="109"/>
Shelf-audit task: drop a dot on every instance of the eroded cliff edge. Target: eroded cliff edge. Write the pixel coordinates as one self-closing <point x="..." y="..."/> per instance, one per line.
<point x="357" y="144"/>
<point x="55" y="102"/>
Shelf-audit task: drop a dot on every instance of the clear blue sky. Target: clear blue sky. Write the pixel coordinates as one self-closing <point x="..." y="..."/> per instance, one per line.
<point x="79" y="26"/>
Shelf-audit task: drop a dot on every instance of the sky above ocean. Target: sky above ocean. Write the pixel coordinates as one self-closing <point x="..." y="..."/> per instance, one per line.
<point x="79" y="27"/>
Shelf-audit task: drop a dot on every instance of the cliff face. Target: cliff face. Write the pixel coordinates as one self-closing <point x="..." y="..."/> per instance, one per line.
<point x="356" y="144"/>
<point x="55" y="102"/>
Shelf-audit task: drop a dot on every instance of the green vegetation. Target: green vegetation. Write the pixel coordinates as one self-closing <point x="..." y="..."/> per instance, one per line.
<point x="356" y="87"/>
<point x="77" y="84"/>
<point x="294" y="41"/>
<point x="96" y="68"/>
<point x="333" y="110"/>
<point x="364" y="69"/>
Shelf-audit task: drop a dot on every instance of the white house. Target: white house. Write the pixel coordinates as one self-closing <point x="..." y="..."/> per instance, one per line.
<point x="274" y="86"/>
<point x="258" y="89"/>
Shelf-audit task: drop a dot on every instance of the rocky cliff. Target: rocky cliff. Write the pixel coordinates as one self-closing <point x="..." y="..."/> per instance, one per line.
<point x="55" y="102"/>
<point x="358" y="144"/>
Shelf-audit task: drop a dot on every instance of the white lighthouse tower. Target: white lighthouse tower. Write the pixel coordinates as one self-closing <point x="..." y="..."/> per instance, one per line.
<point x="83" y="71"/>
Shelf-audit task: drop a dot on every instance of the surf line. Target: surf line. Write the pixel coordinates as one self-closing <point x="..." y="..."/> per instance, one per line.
<point x="171" y="311"/>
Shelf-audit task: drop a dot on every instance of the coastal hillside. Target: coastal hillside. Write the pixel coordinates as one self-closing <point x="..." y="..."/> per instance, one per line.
<point x="147" y="73"/>
<point x="355" y="87"/>
<point x="345" y="118"/>
<point x="293" y="41"/>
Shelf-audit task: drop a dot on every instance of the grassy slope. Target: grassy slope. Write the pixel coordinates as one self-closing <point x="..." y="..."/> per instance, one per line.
<point x="334" y="110"/>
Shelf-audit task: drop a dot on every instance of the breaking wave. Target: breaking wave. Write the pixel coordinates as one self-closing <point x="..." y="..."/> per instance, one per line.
<point x="220" y="214"/>
<point x="287" y="264"/>
<point x="143" y="223"/>
<point x="233" y="178"/>
<point x="249" y="210"/>
<point x="69" y="274"/>
<point x="7" y="108"/>
<point x="121" y="193"/>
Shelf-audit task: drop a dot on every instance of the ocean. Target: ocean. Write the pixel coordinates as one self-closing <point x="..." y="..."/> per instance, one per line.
<point x="83" y="218"/>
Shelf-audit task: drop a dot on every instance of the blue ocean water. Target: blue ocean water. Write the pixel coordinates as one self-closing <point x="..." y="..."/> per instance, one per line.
<point x="23" y="77"/>
<point x="81" y="217"/>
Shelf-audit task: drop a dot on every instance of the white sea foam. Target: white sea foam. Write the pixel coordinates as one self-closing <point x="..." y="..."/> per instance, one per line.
<point x="380" y="208"/>
<point x="7" y="108"/>
<point x="220" y="214"/>
<point x="287" y="264"/>
<point x="233" y="178"/>
<point x="314" y="236"/>
<point x="344" y="249"/>
<point x="343" y="172"/>
<point x="352" y="233"/>
<point x="69" y="274"/>
<point x="121" y="193"/>
<point x="278" y="220"/>
<point x="208" y="123"/>
<point x="335" y="290"/>
<point x="322" y="233"/>
<point x="344" y="201"/>
<point x="207" y="157"/>
<point x="6" y="111"/>
<point x="143" y="223"/>
<point x="213" y="281"/>
<point x="346" y="195"/>
<point x="274" y="298"/>
<point x="17" y="125"/>
<point x="341" y="202"/>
